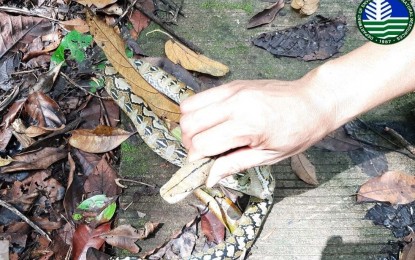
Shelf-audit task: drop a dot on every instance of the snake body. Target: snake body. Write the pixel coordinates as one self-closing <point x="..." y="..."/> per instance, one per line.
<point x="156" y="135"/>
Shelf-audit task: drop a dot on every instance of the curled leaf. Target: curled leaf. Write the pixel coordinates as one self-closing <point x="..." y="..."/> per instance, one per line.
<point x="266" y="15"/>
<point x="178" y="53"/>
<point x="99" y="140"/>
<point x="304" y="169"/>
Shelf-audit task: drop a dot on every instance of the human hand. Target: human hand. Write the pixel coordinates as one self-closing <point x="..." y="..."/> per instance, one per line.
<point x="250" y="123"/>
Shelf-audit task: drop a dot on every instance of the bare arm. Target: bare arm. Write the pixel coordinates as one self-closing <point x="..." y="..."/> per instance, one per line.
<point x="258" y="122"/>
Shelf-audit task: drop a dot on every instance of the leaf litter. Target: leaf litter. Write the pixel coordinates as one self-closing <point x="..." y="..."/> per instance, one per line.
<point x="33" y="175"/>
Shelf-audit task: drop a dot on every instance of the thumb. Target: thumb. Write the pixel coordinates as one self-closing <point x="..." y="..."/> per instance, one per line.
<point x="235" y="162"/>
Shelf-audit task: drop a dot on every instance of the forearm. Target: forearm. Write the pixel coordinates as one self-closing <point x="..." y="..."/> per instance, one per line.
<point x="364" y="78"/>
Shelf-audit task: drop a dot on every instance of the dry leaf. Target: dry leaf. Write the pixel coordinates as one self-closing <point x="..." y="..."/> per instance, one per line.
<point x="266" y="16"/>
<point x="86" y="237"/>
<point x="338" y="141"/>
<point x="99" y="140"/>
<point x="178" y="53"/>
<point x="393" y="186"/>
<point x="408" y="252"/>
<point x="35" y="160"/>
<point x="44" y="111"/>
<point x="124" y="236"/>
<point x="35" y="131"/>
<point x="113" y="47"/>
<point x="211" y="226"/>
<point x="306" y="7"/>
<point x="139" y="22"/>
<point x="304" y="169"/>
<point x="75" y="24"/>
<point x="5" y="161"/>
<point x="102" y="180"/>
<point x="98" y="3"/>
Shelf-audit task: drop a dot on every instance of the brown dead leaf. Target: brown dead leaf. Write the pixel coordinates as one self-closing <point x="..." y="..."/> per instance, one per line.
<point x="304" y="169"/>
<point x="124" y="236"/>
<point x="17" y="31"/>
<point x="44" y="45"/>
<point x="114" y="48"/>
<point x="266" y="16"/>
<point x="75" y="24"/>
<point x="99" y="140"/>
<point x="408" y="252"/>
<point x="5" y="136"/>
<point x="98" y="3"/>
<point x="306" y="7"/>
<point x="102" y="180"/>
<point x="139" y="22"/>
<point x="5" y="161"/>
<point x="393" y="186"/>
<point x="35" y="160"/>
<point x="86" y="237"/>
<point x="12" y="113"/>
<point x="212" y="227"/>
<point x="44" y="111"/>
<point x="180" y="54"/>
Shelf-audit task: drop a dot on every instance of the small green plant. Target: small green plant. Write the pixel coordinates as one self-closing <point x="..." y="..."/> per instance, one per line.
<point x="96" y="85"/>
<point x="76" y="43"/>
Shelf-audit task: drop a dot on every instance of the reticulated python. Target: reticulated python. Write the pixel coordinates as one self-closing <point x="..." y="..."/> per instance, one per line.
<point x="258" y="181"/>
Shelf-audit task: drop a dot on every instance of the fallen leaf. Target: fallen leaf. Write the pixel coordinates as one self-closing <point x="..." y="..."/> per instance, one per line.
<point x="306" y="7"/>
<point x="86" y="237"/>
<point x="338" y="141"/>
<point x="102" y="180"/>
<point x="124" y="236"/>
<point x="12" y="113"/>
<point x="17" y="31"/>
<point x="304" y="169"/>
<point x="266" y="16"/>
<point x="43" y="45"/>
<point x="5" y="161"/>
<point x="35" y="160"/>
<point x="86" y="161"/>
<point x="408" y="252"/>
<point x="393" y="186"/>
<point x="98" y="3"/>
<point x="99" y="140"/>
<point x="139" y="22"/>
<point x="185" y="240"/>
<point x="94" y="111"/>
<point x="373" y="163"/>
<point x="180" y="54"/>
<point x="5" y="136"/>
<point x="114" y="48"/>
<point x="318" y="39"/>
<point x="44" y="111"/>
<point x="212" y="227"/>
<point x="75" y="24"/>
<point x="35" y="131"/>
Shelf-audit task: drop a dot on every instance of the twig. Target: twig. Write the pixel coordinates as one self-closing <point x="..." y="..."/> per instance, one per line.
<point x="23" y="72"/>
<point x="81" y="88"/>
<point x="23" y="217"/>
<point x="126" y="11"/>
<point x="155" y="19"/>
<point x="407" y="145"/>
<point x="119" y="180"/>
<point x="25" y="12"/>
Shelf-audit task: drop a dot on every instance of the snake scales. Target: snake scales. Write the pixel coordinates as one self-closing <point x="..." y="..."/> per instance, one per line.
<point x="258" y="181"/>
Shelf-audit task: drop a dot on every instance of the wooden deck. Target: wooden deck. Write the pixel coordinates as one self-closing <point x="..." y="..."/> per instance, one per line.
<point x="306" y="222"/>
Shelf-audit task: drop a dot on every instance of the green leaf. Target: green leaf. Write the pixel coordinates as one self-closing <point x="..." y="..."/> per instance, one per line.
<point x="76" y="43"/>
<point x="129" y="53"/>
<point x="94" y="203"/>
<point x="107" y="214"/>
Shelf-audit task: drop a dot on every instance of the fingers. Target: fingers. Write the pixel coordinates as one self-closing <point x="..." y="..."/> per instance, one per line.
<point x="219" y="139"/>
<point x="202" y="119"/>
<point x="208" y="97"/>
<point x="238" y="161"/>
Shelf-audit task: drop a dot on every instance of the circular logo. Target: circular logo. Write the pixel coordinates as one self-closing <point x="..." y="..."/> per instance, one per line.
<point x="385" y="21"/>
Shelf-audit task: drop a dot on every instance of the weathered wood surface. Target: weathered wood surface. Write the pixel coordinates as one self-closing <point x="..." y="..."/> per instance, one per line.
<point x="305" y="222"/>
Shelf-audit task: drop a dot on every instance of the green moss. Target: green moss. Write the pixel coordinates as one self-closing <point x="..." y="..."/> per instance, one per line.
<point x="245" y="5"/>
<point x="132" y="158"/>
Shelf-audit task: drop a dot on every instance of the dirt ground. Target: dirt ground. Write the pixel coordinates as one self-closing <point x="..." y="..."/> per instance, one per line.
<point x="306" y="222"/>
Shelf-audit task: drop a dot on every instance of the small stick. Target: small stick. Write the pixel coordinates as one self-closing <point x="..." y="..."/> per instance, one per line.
<point x="167" y="29"/>
<point x="126" y="11"/>
<point x="119" y="180"/>
<point x="81" y="88"/>
<point x="23" y="217"/>
<point x="25" y="12"/>
<point x="407" y="145"/>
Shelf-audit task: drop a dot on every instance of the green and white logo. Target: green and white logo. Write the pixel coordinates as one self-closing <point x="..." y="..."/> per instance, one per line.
<point x="385" y="21"/>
